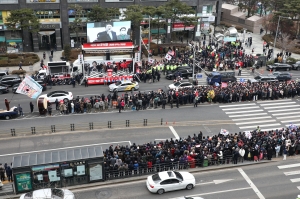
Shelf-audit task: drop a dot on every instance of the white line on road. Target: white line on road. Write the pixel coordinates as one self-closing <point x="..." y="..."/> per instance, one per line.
<point x="248" y="127"/>
<point x="288" y="166"/>
<point x="255" y="118"/>
<point x="258" y="110"/>
<point x="288" y="106"/>
<point x="252" y="104"/>
<point x="284" y="110"/>
<point x="295" y="180"/>
<point x="291" y="120"/>
<point x="290" y="113"/>
<point x="256" y="114"/>
<point x="174" y="132"/>
<point x="255" y="122"/>
<point x="64" y="148"/>
<point x="270" y="101"/>
<point x="294" y="116"/>
<point x="240" y="108"/>
<point x="278" y="103"/>
<point x="216" y="192"/>
<point x="252" y="185"/>
<point x="291" y="173"/>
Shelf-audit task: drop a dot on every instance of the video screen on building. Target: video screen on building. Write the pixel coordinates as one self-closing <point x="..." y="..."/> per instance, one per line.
<point x="108" y="31"/>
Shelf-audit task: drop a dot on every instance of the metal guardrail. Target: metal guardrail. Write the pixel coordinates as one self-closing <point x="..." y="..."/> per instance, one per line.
<point x="83" y="126"/>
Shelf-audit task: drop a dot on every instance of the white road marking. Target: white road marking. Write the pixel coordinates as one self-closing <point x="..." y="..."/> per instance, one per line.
<point x="174" y="132"/>
<point x="290" y="113"/>
<point x="297" y="124"/>
<point x="294" y="116"/>
<point x="298" y="187"/>
<point x="290" y="173"/>
<point x="244" y="111"/>
<point x="275" y="107"/>
<point x="216" y="192"/>
<point x="264" y="125"/>
<point x="252" y="185"/>
<point x="63" y="148"/>
<point x="239" y="108"/>
<point x="252" y="104"/>
<point x="256" y="122"/>
<point x="292" y="120"/>
<point x="295" y="180"/>
<point x="284" y="110"/>
<point x="289" y="166"/>
<point x="259" y="114"/>
<point x="254" y="118"/>
<point x="270" y="101"/>
<point x="278" y="103"/>
<point x="215" y="182"/>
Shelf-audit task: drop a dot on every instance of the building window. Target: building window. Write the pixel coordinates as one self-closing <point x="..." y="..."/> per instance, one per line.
<point x="9" y="1"/>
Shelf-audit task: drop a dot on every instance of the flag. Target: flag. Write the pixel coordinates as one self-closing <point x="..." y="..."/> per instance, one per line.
<point x="224" y="132"/>
<point x="30" y="88"/>
<point x="224" y="85"/>
<point x="217" y="84"/>
<point x="248" y="134"/>
<point x="171" y="52"/>
<point x="151" y="60"/>
<point x="168" y="57"/>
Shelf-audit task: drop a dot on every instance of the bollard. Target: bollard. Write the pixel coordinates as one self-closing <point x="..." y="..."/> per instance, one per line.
<point x="13" y="132"/>
<point x="127" y="123"/>
<point x="33" y="130"/>
<point x="53" y="128"/>
<point x="91" y="126"/>
<point x="161" y="121"/>
<point x="145" y="122"/>
<point x="109" y="124"/>
<point x="72" y="127"/>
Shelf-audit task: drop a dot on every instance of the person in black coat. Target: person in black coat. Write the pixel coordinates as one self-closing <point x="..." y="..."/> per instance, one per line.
<point x="9" y="174"/>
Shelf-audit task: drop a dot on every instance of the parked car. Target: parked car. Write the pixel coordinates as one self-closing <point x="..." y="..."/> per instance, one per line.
<point x="184" y="72"/>
<point x="10" y="80"/>
<point x="296" y="66"/>
<point x="279" y="66"/>
<point x="282" y="76"/>
<point x="41" y="82"/>
<point x="179" y="85"/>
<point x="3" y="89"/>
<point x="170" y="181"/>
<point x="3" y="73"/>
<point x="12" y="113"/>
<point x="59" y="95"/>
<point x="49" y="193"/>
<point x="125" y="85"/>
<point x="263" y="78"/>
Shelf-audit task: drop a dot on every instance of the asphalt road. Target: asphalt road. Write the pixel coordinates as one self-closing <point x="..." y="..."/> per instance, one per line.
<point x="249" y="182"/>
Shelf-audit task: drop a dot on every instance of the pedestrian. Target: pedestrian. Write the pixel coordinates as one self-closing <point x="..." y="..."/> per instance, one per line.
<point x="9" y="174"/>
<point x="51" y="52"/>
<point x="72" y="107"/>
<point x="20" y="66"/>
<point x="49" y="108"/>
<point x="56" y="104"/>
<point x="55" y="47"/>
<point x="285" y="151"/>
<point x="277" y="149"/>
<point x="44" y="55"/>
<point x="7" y="104"/>
<point x="2" y="173"/>
<point x="195" y="101"/>
<point x="20" y="109"/>
<point x="86" y="82"/>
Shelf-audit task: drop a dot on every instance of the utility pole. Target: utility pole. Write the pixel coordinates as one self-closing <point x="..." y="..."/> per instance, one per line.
<point x="149" y="36"/>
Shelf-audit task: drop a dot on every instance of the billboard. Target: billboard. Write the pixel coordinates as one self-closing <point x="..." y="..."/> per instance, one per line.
<point x="108" y="31"/>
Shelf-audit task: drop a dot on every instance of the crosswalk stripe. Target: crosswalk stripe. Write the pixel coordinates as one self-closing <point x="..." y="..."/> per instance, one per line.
<point x="284" y="110"/>
<point x="250" y="104"/>
<point x="295" y="116"/>
<point x="270" y="129"/>
<point x="298" y="124"/>
<point x="287" y="166"/>
<point x="295" y="180"/>
<point x="275" y="107"/>
<point x="278" y="103"/>
<point x="256" y="118"/>
<point x="239" y="108"/>
<point x="290" y="113"/>
<point x="264" y="125"/>
<point x="291" y="173"/>
<point x="246" y="115"/>
<point x="269" y="101"/>
<point x="243" y="111"/>
<point x="255" y="122"/>
<point x="288" y="121"/>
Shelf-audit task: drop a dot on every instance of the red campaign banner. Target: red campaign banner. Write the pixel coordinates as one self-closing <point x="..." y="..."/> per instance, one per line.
<point x="108" y="45"/>
<point x="224" y="85"/>
<point x="180" y="26"/>
<point x="102" y="80"/>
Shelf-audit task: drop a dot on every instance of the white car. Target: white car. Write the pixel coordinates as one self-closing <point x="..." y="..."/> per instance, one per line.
<point x="178" y="85"/>
<point x="189" y="198"/>
<point x="1" y="184"/>
<point x="59" y="95"/>
<point x="125" y="85"/>
<point x="49" y="193"/>
<point x="170" y="181"/>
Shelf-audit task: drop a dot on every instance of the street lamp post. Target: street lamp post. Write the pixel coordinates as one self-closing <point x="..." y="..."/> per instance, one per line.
<point x="149" y="35"/>
<point x="194" y="54"/>
<point x="277" y="33"/>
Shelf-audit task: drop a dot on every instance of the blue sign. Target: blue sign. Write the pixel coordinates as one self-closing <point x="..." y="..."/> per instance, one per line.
<point x="199" y="76"/>
<point x="242" y="80"/>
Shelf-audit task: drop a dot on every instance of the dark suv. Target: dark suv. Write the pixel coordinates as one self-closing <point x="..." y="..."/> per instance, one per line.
<point x="185" y="72"/>
<point x="279" y="66"/>
<point x="283" y="76"/>
<point x="10" y="80"/>
<point x="263" y="78"/>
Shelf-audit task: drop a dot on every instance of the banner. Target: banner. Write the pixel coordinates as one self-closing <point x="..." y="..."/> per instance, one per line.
<point x="30" y="88"/>
<point x="224" y="85"/>
<point x="171" y="52"/>
<point x="224" y="132"/>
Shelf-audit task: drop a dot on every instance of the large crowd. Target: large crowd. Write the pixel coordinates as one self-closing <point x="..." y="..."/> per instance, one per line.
<point x="199" y="150"/>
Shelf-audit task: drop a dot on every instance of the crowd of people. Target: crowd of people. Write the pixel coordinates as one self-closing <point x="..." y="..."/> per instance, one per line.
<point x="199" y="150"/>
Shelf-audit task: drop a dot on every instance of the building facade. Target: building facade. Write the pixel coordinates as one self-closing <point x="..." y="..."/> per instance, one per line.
<point x="55" y="17"/>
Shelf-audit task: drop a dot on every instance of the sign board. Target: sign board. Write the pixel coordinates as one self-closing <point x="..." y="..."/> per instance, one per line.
<point x="23" y="182"/>
<point x="80" y="58"/>
<point x="137" y="57"/>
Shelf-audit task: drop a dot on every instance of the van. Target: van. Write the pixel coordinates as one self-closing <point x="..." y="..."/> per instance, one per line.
<point x="218" y="77"/>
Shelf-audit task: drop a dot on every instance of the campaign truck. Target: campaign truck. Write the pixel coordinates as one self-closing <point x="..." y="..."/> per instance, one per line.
<point x="218" y="77"/>
<point x="57" y="69"/>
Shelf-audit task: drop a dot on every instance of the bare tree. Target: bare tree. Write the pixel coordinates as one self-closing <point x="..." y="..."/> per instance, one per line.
<point x="286" y="44"/>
